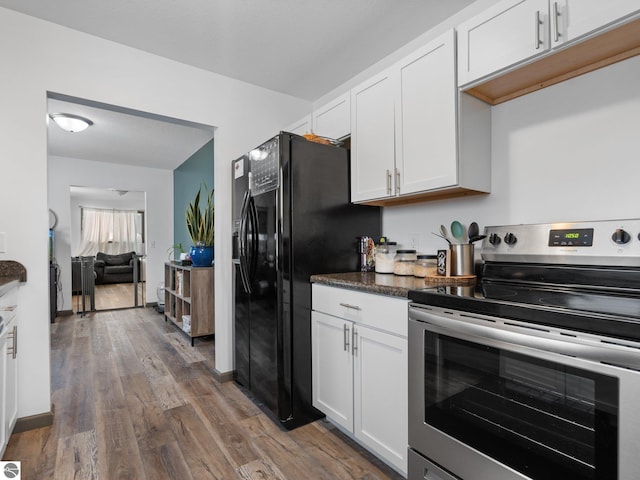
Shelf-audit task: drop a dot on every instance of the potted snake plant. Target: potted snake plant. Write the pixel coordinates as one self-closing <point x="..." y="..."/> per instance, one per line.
<point x="200" y="227"/>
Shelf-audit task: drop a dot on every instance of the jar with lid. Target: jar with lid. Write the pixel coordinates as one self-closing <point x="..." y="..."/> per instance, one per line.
<point x="404" y="262"/>
<point x="425" y="264"/>
<point x="385" y="252"/>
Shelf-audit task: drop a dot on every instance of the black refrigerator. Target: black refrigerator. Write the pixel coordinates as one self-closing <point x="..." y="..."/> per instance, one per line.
<point x="292" y="219"/>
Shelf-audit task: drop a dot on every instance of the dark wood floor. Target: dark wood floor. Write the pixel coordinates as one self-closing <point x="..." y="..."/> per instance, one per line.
<point x="133" y="400"/>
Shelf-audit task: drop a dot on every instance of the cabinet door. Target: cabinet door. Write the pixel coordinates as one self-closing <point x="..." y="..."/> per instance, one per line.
<point x="4" y="361"/>
<point x="426" y="135"/>
<point x="333" y="120"/>
<point x="300" y="127"/>
<point x="381" y="394"/>
<point x="332" y="366"/>
<point x="372" y="138"/>
<point x="505" y="34"/>
<point x="573" y="18"/>
<point x="11" y="382"/>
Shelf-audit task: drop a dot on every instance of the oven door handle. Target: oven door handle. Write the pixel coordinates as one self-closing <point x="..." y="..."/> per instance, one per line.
<point x="607" y="353"/>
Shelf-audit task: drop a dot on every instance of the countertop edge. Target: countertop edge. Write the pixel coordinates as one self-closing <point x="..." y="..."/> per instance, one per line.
<point x="370" y="282"/>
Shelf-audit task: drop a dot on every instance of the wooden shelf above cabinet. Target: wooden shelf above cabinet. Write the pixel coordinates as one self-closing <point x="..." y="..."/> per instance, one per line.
<point x="443" y="194"/>
<point x="605" y="49"/>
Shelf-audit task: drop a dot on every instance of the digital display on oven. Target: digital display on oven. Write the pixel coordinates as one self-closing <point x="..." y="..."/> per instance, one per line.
<point x="578" y="237"/>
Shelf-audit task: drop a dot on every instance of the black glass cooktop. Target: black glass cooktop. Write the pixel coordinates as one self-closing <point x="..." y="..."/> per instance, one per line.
<point x="594" y="300"/>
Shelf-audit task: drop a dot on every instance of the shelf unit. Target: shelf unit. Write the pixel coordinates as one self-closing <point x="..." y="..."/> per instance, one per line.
<point x="188" y="291"/>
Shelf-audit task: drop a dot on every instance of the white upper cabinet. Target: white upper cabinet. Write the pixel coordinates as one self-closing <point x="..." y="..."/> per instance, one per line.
<point x="425" y="116"/>
<point x="502" y="35"/>
<point x="300" y="127"/>
<point x="406" y="127"/>
<point x="574" y="18"/>
<point x="514" y="31"/>
<point x="372" y="138"/>
<point x="333" y="120"/>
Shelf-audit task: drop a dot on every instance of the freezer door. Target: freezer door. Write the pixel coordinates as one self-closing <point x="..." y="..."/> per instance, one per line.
<point x="263" y="346"/>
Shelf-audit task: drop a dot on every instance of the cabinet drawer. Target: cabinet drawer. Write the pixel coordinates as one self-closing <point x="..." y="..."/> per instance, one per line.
<point x="377" y="311"/>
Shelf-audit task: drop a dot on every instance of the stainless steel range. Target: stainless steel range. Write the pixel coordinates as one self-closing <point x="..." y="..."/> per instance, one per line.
<point x="535" y="373"/>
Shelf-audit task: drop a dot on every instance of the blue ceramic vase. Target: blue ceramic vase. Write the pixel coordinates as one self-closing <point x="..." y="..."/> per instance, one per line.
<point x="201" y="256"/>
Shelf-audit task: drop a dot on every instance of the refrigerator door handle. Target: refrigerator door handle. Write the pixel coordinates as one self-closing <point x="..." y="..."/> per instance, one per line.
<point x="252" y="253"/>
<point x="244" y="274"/>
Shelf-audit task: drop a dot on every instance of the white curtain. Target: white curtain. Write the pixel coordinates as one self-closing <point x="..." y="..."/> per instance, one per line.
<point x="108" y="231"/>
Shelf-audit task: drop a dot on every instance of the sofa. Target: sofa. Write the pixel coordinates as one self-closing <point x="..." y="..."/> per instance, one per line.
<point x="115" y="268"/>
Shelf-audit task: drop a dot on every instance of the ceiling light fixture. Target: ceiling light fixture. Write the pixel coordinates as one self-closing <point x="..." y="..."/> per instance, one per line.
<point x="71" y="123"/>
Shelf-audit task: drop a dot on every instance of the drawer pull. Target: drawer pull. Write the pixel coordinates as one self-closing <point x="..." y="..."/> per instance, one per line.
<point x="353" y="307"/>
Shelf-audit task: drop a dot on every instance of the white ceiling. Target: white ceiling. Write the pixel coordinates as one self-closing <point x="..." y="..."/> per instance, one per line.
<point x="124" y="137"/>
<point x="304" y="48"/>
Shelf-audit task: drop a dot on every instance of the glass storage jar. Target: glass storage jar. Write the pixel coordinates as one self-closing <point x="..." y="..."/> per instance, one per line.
<point x="425" y="264"/>
<point x="385" y="253"/>
<point x="404" y="262"/>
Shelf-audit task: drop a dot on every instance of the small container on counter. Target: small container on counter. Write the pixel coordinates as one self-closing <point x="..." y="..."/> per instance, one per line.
<point x="367" y="253"/>
<point x="404" y="262"/>
<point x="385" y="253"/>
<point x="425" y="264"/>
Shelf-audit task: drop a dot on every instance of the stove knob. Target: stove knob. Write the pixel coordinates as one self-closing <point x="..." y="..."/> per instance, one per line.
<point x="494" y="239"/>
<point x="510" y="239"/>
<point x="620" y="236"/>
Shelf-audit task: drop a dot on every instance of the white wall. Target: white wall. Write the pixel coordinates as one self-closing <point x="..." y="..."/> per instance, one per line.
<point x="158" y="185"/>
<point x="39" y="57"/>
<point x="565" y="153"/>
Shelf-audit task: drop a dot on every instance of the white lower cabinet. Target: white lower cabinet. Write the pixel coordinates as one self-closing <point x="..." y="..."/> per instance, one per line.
<point x="359" y="363"/>
<point x="8" y="367"/>
<point x="332" y="362"/>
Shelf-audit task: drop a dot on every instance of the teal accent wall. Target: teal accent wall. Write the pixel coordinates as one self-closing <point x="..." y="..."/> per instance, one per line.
<point x="187" y="179"/>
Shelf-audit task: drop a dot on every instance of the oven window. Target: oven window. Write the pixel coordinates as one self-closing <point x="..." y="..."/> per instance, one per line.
<point x="546" y="420"/>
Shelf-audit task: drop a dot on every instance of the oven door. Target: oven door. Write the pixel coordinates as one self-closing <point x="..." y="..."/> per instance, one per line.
<point x="490" y="399"/>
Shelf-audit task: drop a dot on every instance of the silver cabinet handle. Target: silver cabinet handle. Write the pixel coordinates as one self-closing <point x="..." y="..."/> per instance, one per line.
<point x="352" y="307"/>
<point x="388" y="182"/>
<point x="346" y="337"/>
<point x="556" y="14"/>
<point x="354" y="341"/>
<point x="13" y="350"/>
<point x="537" y="30"/>
<point x="397" y="182"/>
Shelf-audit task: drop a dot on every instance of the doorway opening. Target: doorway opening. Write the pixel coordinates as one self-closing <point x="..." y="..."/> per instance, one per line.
<point x="123" y="152"/>
<point x="108" y="248"/>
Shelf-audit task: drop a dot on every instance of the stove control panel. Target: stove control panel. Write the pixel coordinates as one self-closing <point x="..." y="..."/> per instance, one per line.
<point x="579" y="237"/>
<point x="607" y="242"/>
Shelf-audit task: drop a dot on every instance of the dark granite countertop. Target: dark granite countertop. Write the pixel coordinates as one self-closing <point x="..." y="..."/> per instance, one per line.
<point x="380" y="283"/>
<point x="10" y="272"/>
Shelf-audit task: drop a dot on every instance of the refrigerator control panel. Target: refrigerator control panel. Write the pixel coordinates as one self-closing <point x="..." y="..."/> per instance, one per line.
<point x="265" y="167"/>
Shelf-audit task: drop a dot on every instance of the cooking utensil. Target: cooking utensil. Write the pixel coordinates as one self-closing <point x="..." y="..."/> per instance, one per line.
<point x="442" y="236"/>
<point x="445" y="233"/>
<point x="475" y="238"/>
<point x="457" y="230"/>
<point x="474" y="230"/>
